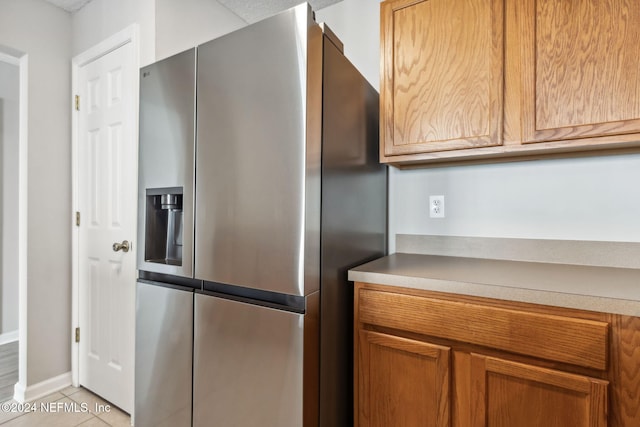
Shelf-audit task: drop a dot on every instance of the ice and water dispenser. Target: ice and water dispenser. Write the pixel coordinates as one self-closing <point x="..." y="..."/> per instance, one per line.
<point x="164" y="226"/>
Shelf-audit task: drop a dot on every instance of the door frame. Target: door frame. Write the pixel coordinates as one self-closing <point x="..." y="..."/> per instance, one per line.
<point x="128" y="35"/>
<point x="21" y="60"/>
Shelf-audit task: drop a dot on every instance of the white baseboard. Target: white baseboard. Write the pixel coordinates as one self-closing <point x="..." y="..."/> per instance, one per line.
<point x="8" y="337"/>
<point x="18" y="393"/>
<point x="41" y="389"/>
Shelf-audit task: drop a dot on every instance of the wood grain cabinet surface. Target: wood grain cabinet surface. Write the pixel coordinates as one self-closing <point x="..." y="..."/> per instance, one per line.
<point x="506" y="393"/>
<point x="442" y="81"/>
<point x="465" y="80"/>
<point x="425" y="358"/>
<point x="581" y="69"/>
<point x="419" y="396"/>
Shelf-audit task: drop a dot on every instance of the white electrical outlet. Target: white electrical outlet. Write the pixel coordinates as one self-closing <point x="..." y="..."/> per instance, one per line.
<point x="436" y="206"/>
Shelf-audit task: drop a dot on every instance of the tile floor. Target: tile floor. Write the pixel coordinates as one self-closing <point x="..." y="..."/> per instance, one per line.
<point x="70" y="407"/>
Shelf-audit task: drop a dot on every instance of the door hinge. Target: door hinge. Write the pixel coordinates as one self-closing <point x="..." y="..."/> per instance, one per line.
<point x="77" y="102"/>
<point x="77" y="334"/>
<point x="77" y="219"/>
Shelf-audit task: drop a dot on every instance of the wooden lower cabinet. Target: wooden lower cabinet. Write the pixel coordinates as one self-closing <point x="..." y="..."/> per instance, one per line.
<point x="405" y="377"/>
<point x="403" y="382"/>
<point x="507" y="393"/>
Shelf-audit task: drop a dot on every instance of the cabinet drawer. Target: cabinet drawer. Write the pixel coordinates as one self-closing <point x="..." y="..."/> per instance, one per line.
<point x="562" y="339"/>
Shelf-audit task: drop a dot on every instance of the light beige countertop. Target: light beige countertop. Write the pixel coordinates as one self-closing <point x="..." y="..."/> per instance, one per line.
<point x="596" y="288"/>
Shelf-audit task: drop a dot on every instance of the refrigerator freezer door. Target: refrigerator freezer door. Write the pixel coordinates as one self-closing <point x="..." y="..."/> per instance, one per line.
<point x="167" y="144"/>
<point x="258" y="132"/>
<point x="164" y="342"/>
<point x="248" y="365"/>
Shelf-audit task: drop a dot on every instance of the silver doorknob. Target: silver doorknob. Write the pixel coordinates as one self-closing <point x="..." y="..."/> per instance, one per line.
<point x="124" y="246"/>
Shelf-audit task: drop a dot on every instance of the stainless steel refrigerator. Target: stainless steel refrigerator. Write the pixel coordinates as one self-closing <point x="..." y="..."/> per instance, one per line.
<point x="289" y="195"/>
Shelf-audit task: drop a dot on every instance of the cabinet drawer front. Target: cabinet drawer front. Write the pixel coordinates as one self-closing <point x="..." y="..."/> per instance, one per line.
<point x="563" y="339"/>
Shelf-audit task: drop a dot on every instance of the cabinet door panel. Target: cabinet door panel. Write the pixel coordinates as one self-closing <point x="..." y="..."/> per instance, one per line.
<point x="442" y="80"/>
<point x="581" y="68"/>
<point x="510" y="394"/>
<point x="402" y="382"/>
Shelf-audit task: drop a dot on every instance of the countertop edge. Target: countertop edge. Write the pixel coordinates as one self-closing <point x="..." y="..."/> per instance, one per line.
<point x="507" y="293"/>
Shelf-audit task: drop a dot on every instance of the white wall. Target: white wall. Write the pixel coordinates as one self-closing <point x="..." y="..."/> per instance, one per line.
<point x="357" y="25"/>
<point x="166" y="26"/>
<point x="9" y="113"/>
<point x="595" y="198"/>
<point x="187" y="23"/>
<point x="44" y="33"/>
<point x="101" y="19"/>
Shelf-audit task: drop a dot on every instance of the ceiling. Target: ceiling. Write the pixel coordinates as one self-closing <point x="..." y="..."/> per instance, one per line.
<point x="252" y="10"/>
<point x="248" y="10"/>
<point x="69" y="5"/>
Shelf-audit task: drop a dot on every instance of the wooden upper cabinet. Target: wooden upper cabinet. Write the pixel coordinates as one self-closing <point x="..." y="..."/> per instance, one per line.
<point x="442" y="75"/>
<point x="581" y="69"/>
<point x="480" y="79"/>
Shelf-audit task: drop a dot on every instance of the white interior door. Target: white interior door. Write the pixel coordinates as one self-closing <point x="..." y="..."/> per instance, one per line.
<point x="107" y="197"/>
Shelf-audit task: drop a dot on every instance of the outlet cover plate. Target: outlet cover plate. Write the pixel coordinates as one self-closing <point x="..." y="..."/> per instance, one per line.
<point x="436" y="206"/>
